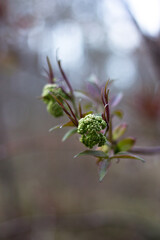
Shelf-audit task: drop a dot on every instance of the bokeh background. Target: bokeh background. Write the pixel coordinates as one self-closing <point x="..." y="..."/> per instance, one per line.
<point x="44" y="193"/>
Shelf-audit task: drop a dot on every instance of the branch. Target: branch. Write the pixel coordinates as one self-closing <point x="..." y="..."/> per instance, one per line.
<point x="65" y="77"/>
<point x="152" y="44"/>
<point x="146" y="150"/>
<point x="50" y="74"/>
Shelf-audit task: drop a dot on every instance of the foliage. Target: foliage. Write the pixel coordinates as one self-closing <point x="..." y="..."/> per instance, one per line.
<point x="95" y="125"/>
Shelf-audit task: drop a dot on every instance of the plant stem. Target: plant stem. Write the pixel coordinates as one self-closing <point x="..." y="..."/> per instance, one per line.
<point x="74" y="105"/>
<point x="110" y="130"/>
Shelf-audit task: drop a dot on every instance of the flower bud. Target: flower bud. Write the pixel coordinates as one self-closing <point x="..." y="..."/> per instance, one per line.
<point x="89" y="127"/>
<point x="54" y="109"/>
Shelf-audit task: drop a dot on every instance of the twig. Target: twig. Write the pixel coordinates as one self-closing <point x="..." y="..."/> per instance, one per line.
<point x="146" y="150"/>
<point x="50" y="74"/>
<point x="65" y="77"/>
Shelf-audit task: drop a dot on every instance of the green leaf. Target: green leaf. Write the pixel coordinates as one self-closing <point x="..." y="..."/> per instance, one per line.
<point x="68" y="124"/>
<point x="87" y="113"/>
<point x="105" y="148"/>
<point x="119" y="131"/>
<point x="53" y="128"/>
<point x="69" y="134"/>
<point x="118" y="113"/>
<point x="127" y="155"/>
<point x="103" y="167"/>
<point x="87" y="106"/>
<point x="93" y="153"/>
<point x="125" y="144"/>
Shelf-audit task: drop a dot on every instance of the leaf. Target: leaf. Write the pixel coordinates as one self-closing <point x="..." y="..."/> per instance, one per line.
<point x="104" y="148"/>
<point x="87" y="113"/>
<point x="54" y="128"/>
<point x="116" y="100"/>
<point x="127" y="155"/>
<point x="103" y="168"/>
<point x="93" y="153"/>
<point x="87" y="106"/>
<point x="118" y="113"/>
<point x="119" y="131"/>
<point x="125" y="144"/>
<point x="68" y="124"/>
<point x="69" y="134"/>
<point x="82" y="94"/>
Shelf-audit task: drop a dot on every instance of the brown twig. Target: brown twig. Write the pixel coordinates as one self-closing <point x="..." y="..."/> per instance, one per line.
<point x="152" y="44"/>
<point x="65" y="77"/>
<point x="50" y="74"/>
<point x="65" y="110"/>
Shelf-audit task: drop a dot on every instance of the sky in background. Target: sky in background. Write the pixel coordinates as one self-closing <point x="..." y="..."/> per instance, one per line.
<point x="147" y="14"/>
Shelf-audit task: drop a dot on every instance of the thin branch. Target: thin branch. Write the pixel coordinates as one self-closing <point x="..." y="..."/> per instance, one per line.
<point x="74" y="116"/>
<point x="146" y="150"/>
<point x="107" y="105"/>
<point x="151" y="43"/>
<point x="64" y="109"/>
<point x="80" y="110"/>
<point x="104" y="103"/>
<point x="51" y="74"/>
<point x="65" y="77"/>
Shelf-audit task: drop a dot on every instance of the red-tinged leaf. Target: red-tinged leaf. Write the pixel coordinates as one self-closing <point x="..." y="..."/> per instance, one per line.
<point x="116" y="100"/>
<point x="125" y="144"/>
<point x="82" y="94"/>
<point x="103" y="168"/>
<point x="127" y="155"/>
<point x="69" y="134"/>
<point x="93" y="153"/>
<point x="93" y="89"/>
<point x="119" y="131"/>
<point x="118" y="113"/>
<point x="106" y="85"/>
<point x="102" y="96"/>
<point x="106" y="95"/>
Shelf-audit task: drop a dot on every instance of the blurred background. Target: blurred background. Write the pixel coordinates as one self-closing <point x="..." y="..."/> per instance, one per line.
<point x="44" y="192"/>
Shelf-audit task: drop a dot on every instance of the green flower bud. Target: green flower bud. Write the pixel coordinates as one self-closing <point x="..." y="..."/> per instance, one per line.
<point x="89" y="127"/>
<point x="54" y="109"/>
<point x="52" y="106"/>
<point x="52" y="88"/>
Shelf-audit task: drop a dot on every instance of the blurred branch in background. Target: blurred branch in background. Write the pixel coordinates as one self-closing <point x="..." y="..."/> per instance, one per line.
<point x="152" y="44"/>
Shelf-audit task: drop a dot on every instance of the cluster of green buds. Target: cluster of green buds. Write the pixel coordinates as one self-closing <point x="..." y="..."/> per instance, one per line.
<point x="96" y="129"/>
<point x="49" y="92"/>
<point x="90" y="128"/>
